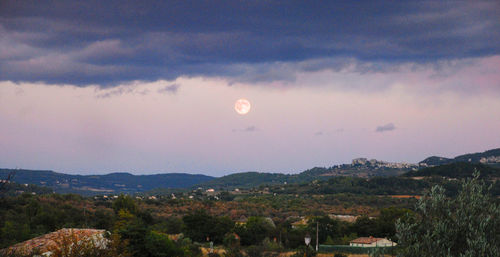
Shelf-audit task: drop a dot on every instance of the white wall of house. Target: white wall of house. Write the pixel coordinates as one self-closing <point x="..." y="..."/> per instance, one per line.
<point x="380" y="243"/>
<point x="385" y="242"/>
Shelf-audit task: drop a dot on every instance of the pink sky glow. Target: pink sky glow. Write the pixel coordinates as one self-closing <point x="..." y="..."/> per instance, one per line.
<point x="318" y="118"/>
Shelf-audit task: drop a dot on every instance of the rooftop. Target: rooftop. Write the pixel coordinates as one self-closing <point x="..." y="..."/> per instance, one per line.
<point x="366" y="240"/>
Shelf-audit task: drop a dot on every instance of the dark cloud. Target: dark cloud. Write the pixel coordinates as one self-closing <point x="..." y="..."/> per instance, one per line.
<point x="385" y="128"/>
<point x="247" y="129"/>
<point x="123" y="90"/>
<point x="108" y="42"/>
<point x="170" y="89"/>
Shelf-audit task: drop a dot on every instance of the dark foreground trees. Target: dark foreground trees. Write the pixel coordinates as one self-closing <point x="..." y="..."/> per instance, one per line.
<point x="202" y="227"/>
<point x="468" y="225"/>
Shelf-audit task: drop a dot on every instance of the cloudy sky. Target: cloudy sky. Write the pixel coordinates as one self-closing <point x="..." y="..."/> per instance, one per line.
<point x="150" y="86"/>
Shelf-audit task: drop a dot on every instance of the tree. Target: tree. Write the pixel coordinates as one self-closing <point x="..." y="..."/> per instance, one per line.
<point x="197" y="225"/>
<point x="221" y="226"/>
<point x="132" y="232"/>
<point x="255" y="230"/>
<point x="307" y="251"/>
<point x="386" y="221"/>
<point x="159" y="245"/>
<point x="365" y="226"/>
<point x="468" y="225"/>
<point x="327" y="227"/>
<point x="200" y="225"/>
<point x="13" y="232"/>
<point x="125" y="202"/>
<point x="8" y="179"/>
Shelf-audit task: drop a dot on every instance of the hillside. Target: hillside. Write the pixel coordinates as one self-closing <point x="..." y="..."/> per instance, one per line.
<point x="102" y="184"/>
<point x="411" y="183"/>
<point x="128" y="183"/>
<point x="484" y="157"/>
<point x="436" y="160"/>
<point x="255" y="179"/>
<point x="456" y="170"/>
<point x="247" y="179"/>
<point x="12" y="188"/>
<point x="490" y="157"/>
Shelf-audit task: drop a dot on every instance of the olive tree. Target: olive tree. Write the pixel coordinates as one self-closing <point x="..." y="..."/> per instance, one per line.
<point x="467" y="225"/>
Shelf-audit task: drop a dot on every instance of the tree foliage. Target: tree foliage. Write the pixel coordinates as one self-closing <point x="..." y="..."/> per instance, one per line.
<point x="468" y="225"/>
<point x="201" y="226"/>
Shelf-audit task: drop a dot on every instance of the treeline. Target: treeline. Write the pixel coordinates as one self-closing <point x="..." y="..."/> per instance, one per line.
<point x="378" y="186"/>
<point x="457" y="170"/>
<point x="26" y="216"/>
<point x="12" y="188"/>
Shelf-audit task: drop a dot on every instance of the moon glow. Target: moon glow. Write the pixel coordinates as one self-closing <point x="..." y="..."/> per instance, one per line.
<point x="242" y="106"/>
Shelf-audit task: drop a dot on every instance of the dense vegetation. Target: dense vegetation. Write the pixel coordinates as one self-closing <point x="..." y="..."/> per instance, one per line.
<point x="253" y="223"/>
<point x="407" y="184"/>
<point x="472" y="158"/>
<point x="263" y="220"/>
<point x="256" y="179"/>
<point x="376" y="186"/>
<point x="467" y="225"/>
<point x="140" y="223"/>
<point x="456" y="170"/>
<point x="12" y="189"/>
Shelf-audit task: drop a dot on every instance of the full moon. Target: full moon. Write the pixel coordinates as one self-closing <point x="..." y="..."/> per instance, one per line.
<point x="242" y="106"/>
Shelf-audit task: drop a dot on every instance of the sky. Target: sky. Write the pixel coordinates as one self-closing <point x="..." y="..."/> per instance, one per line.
<point x="94" y="87"/>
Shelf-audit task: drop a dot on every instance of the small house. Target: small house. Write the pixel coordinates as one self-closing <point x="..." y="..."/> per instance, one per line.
<point x="371" y="242"/>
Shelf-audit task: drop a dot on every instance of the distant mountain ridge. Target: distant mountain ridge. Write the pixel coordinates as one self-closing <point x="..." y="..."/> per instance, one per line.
<point x="364" y="168"/>
<point x="361" y="167"/>
<point x="104" y="184"/>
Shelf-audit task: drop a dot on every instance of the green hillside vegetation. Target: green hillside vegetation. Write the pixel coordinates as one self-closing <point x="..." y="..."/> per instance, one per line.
<point x="12" y="188"/>
<point x="313" y="182"/>
<point x="445" y="175"/>
<point x="465" y="225"/>
<point x="456" y="170"/>
<point x="247" y="179"/>
<point x="141" y="227"/>
<point x="473" y="157"/>
<point x="436" y="160"/>
<point x="350" y="185"/>
<point x="256" y="179"/>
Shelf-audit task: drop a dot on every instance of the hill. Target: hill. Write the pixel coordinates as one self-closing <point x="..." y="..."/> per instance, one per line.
<point x="487" y="162"/>
<point x="436" y="160"/>
<point x="103" y="184"/>
<point x="456" y="170"/>
<point x="255" y="179"/>
<point x="412" y="183"/>
<point x="490" y="157"/>
<point x="247" y="179"/>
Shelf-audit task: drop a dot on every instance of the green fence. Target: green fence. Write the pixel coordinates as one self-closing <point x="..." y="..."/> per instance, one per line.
<point x="351" y="249"/>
